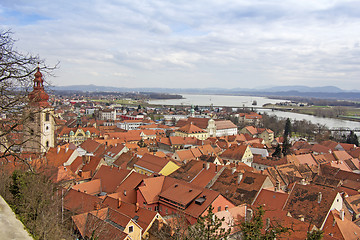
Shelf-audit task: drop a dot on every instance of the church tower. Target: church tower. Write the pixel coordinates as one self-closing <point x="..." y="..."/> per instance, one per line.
<point x="39" y="130"/>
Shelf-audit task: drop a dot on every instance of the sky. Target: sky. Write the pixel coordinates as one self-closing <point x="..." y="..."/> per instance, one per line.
<point x="191" y="44"/>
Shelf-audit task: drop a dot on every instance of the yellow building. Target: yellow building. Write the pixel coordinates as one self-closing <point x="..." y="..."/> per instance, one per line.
<point x="190" y="130"/>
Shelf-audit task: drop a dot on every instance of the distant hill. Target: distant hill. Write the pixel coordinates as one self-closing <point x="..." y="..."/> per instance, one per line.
<point x="298" y="90"/>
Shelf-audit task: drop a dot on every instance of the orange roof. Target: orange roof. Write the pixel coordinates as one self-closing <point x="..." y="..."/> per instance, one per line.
<point x="111" y="177"/>
<point x="127" y="189"/>
<point x="271" y="200"/>
<point x="92" y="187"/>
<point x="191" y="129"/>
<point x="152" y="163"/>
<point x="151" y="188"/>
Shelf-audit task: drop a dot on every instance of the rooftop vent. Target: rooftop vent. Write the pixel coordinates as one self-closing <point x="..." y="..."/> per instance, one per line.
<point x="200" y="200"/>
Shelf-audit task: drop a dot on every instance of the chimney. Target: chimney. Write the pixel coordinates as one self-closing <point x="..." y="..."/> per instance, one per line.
<point x="66" y="148"/>
<point x="277" y="186"/>
<point x="160" y="224"/>
<point x="80" y="173"/>
<point x="267" y="223"/>
<point x="119" y="202"/>
<point x="240" y="176"/>
<point x="137" y="207"/>
<point x="58" y="149"/>
<point x="248" y="214"/>
<point x="97" y="206"/>
<point x="233" y="170"/>
<point x="319" y="197"/>
<point x="207" y="166"/>
<point x="342" y="214"/>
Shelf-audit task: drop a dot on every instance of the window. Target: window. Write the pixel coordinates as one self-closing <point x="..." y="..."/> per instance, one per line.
<point x="47" y="144"/>
<point x="156" y="208"/>
<point x="166" y="211"/>
<point x="131" y="229"/>
<point x="219" y="208"/>
<point x="150" y="208"/>
<point x="47" y="117"/>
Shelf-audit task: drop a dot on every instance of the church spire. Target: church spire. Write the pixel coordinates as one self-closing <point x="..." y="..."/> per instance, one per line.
<point x="38" y="97"/>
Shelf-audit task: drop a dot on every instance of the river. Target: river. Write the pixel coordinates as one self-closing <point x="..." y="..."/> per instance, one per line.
<point x="246" y="101"/>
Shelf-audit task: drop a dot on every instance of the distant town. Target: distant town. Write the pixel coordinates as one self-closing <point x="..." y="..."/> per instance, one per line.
<point x="125" y="169"/>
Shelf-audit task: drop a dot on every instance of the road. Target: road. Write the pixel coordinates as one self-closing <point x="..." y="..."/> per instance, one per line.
<point x="10" y="226"/>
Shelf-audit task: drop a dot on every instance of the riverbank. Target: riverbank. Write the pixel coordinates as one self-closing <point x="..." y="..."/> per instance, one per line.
<point x="338" y="112"/>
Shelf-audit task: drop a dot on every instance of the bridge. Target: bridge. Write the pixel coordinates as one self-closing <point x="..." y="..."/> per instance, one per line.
<point x="344" y="129"/>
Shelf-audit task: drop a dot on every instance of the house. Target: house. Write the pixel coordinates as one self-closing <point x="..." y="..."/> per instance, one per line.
<point x="353" y="204"/>
<point x="107" y="223"/>
<point x="337" y="226"/>
<point x="199" y="173"/>
<point x="111" y="177"/>
<point x="266" y="134"/>
<point x="113" y="152"/>
<point x="191" y="130"/>
<point x="150" y="164"/>
<point x="225" y="128"/>
<point x="206" y="124"/>
<point x="238" y="153"/>
<point x="170" y="196"/>
<point x="240" y="187"/>
<point x="312" y="203"/>
<point x="77" y="135"/>
<point x="142" y="216"/>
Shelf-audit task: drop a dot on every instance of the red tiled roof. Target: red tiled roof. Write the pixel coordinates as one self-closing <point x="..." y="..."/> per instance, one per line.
<point x="111" y="177"/>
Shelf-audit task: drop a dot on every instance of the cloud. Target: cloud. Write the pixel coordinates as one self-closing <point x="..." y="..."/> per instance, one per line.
<point x="199" y="44"/>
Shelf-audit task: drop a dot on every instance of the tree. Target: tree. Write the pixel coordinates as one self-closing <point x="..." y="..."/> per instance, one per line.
<point x="16" y="79"/>
<point x="287" y="129"/>
<point x="287" y="134"/>
<point x="315" y="235"/>
<point x="252" y="228"/>
<point x="352" y="139"/>
<point x="208" y="227"/>
<point x="37" y="202"/>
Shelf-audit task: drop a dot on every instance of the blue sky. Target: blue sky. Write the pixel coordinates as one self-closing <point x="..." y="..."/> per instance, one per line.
<point x="155" y="43"/>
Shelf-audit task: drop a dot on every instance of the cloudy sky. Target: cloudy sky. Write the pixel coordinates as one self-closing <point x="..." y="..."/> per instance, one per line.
<point x="198" y="43"/>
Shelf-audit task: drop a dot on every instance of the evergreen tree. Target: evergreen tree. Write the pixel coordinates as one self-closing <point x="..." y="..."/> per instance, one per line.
<point x="315" y="235"/>
<point x="252" y="229"/>
<point x="208" y="227"/>
<point x="352" y="139"/>
<point x="287" y="134"/>
<point x="287" y="129"/>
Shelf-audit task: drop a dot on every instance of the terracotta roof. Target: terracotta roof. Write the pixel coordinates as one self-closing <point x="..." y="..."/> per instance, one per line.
<point x="123" y="160"/>
<point x="304" y="202"/>
<point x="92" y="187"/>
<point x="90" y="145"/>
<point x="152" y="188"/>
<point x="144" y="216"/>
<point x="238" y="193"/>
<point x="111" y="177"/>
<point x="79" y="202"/>
<point x="354" y="203"/>
<point x="127" y="188"/>
<point x="152" y="163"/>
<point x="341" y="155"/>
<point x="235" y="152"/>
<point x="224" y="124"/>
<point x="180" y="193"/>
<point x="198" y="173"/>
<point x="306" y="159"/>
<point x="271" y="200"/>
<point x="190" y="129"/>
<point x="57" y="156"/>
<point x="336" y="228"/>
